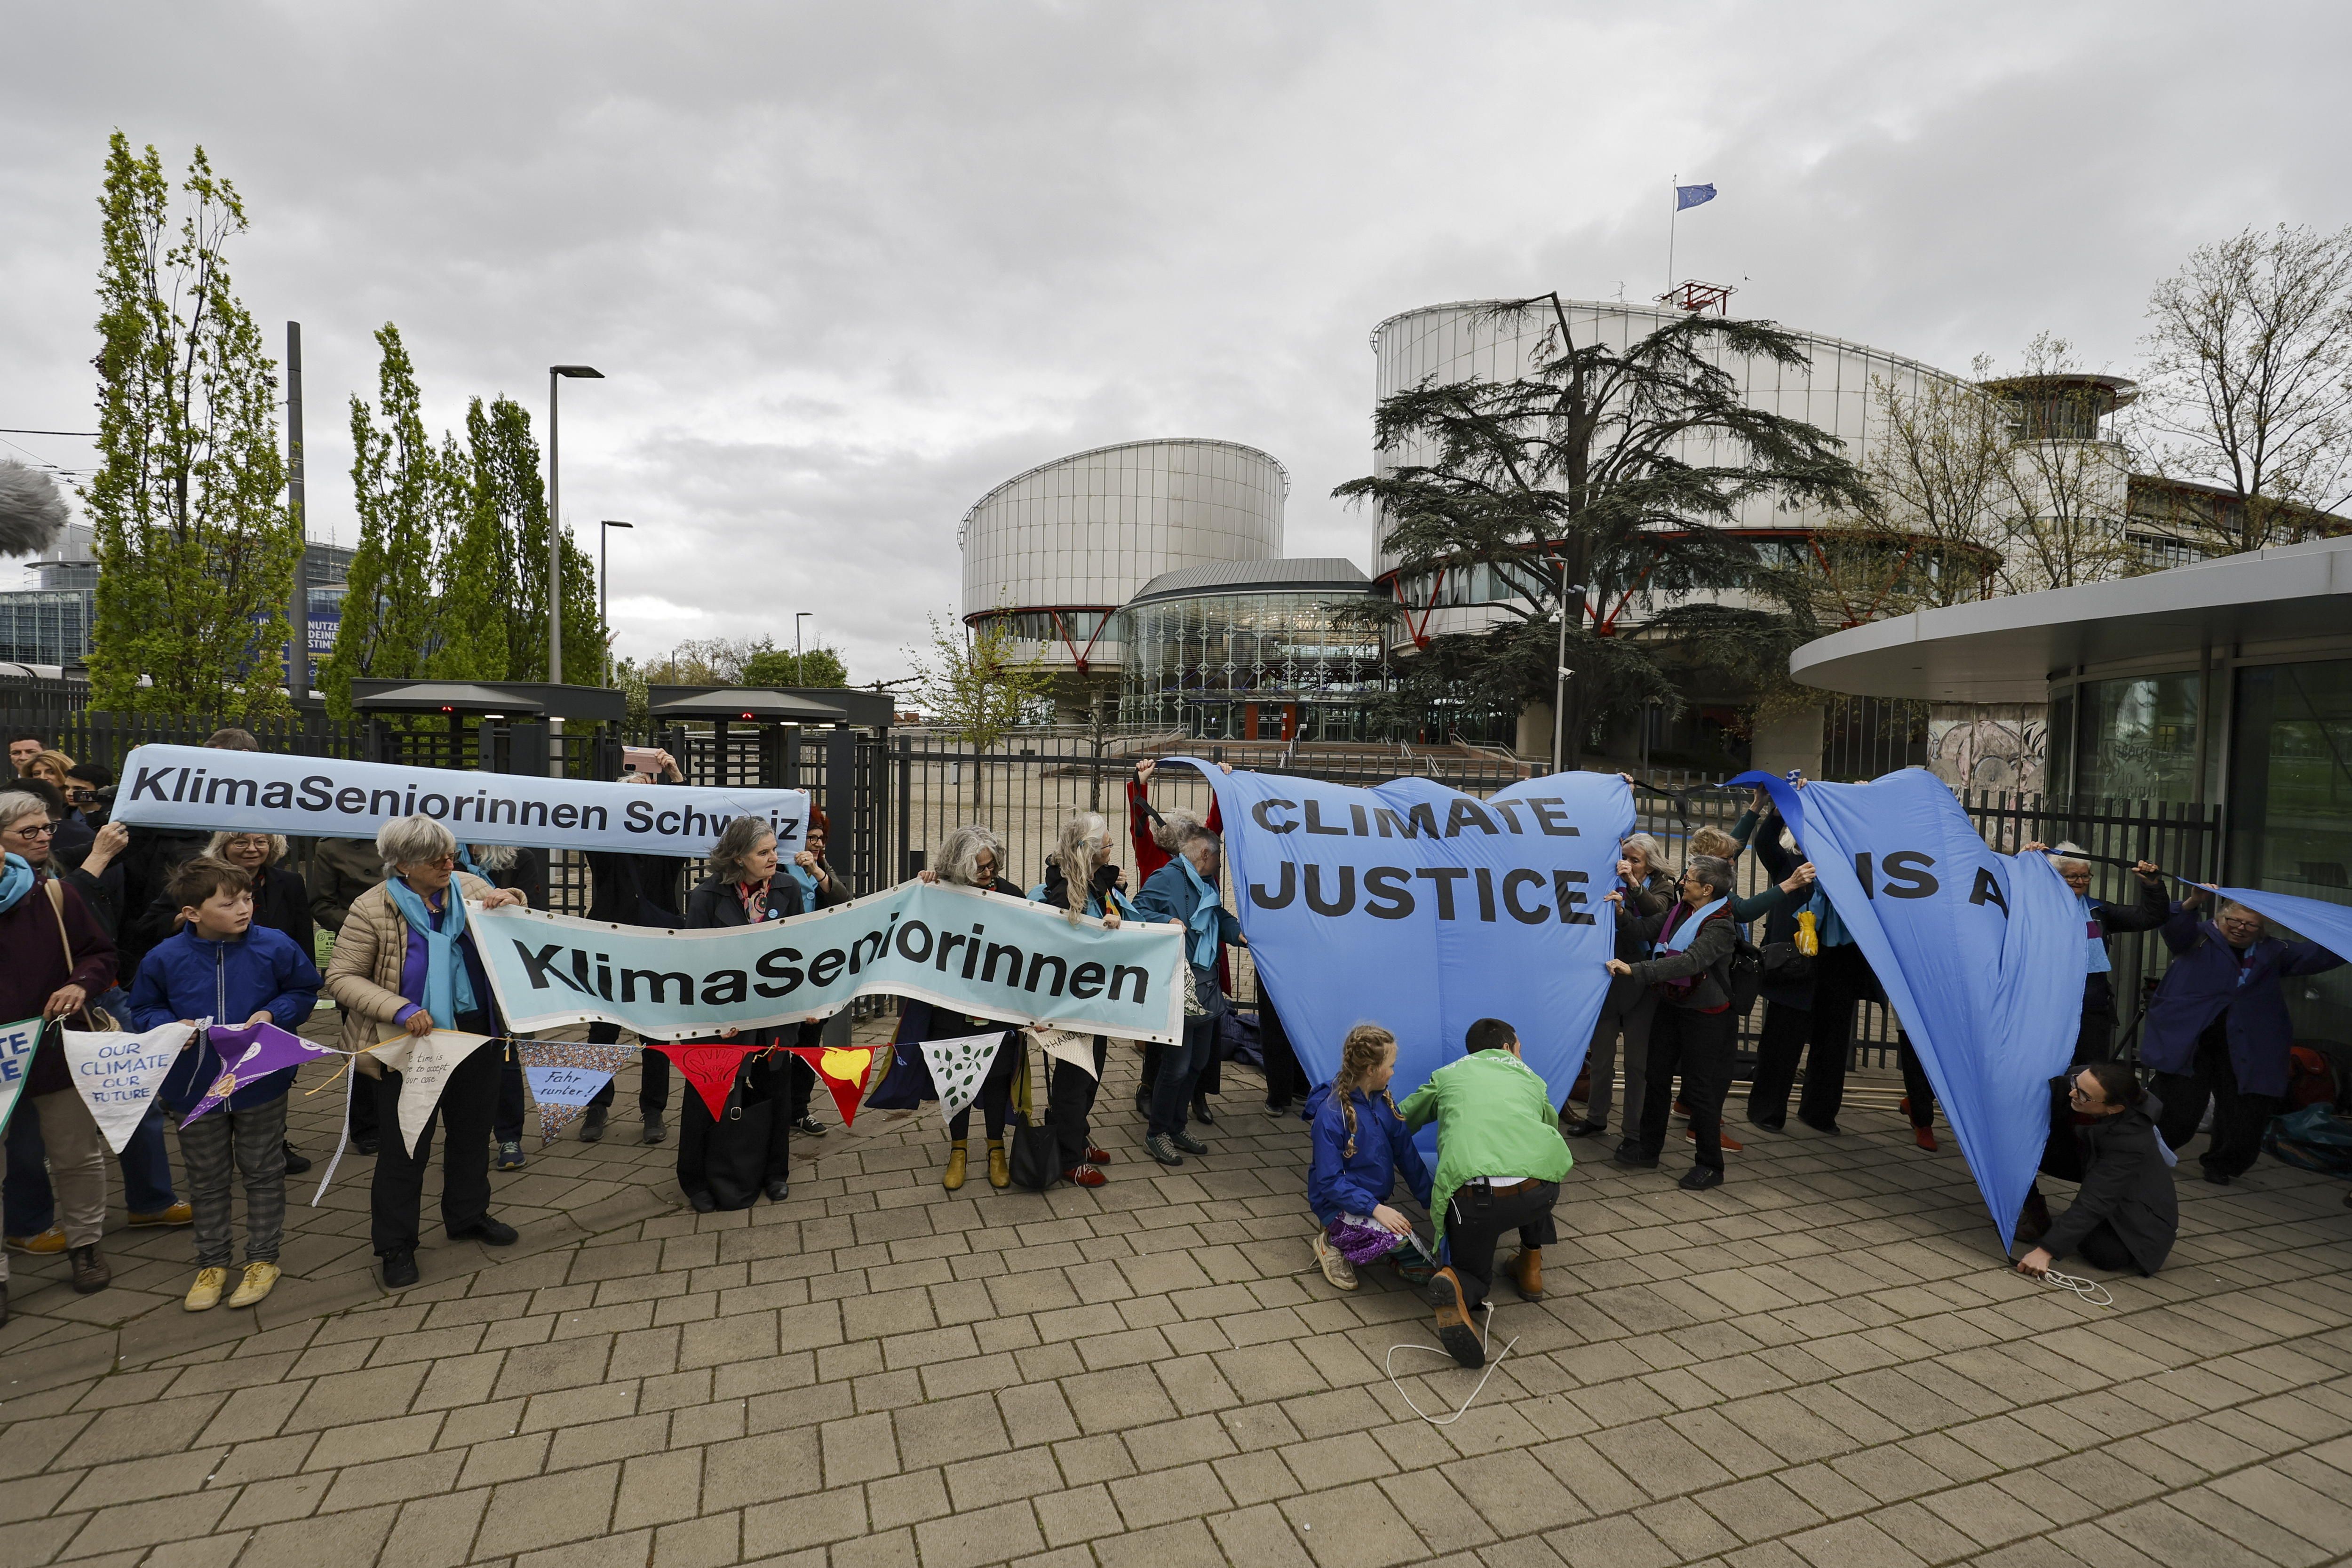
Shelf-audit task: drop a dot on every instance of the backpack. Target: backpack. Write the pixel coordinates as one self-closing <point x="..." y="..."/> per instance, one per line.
<point x="2310" y="1079"/>
<point x="2313" y="1139"/>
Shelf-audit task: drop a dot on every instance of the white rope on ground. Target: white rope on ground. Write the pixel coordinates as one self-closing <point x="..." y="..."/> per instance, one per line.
<point x="2093" y="1294"/>
<point x="1388" y="1366"/>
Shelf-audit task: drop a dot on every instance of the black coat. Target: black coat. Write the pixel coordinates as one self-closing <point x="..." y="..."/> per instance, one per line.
<point x="634" y="890"/>
<point x="2151" y="911"/>
<point x="2125" y="1182"/>
<point x="713" y="902"/>
<point x="733" y="1157"/>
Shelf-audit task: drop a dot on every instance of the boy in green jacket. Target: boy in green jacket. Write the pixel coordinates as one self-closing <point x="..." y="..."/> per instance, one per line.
<point x="1500" y="1159"/>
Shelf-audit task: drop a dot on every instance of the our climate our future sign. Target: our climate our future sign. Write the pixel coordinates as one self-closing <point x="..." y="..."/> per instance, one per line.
<point x="1423" y="910"/>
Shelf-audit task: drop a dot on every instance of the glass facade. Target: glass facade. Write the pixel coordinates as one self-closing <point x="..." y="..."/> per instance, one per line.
<point x="45" y="625"/>
<point x="1249" y="666"/>
<point x="2139" y="738"/>
<point x="2290" y="817"/>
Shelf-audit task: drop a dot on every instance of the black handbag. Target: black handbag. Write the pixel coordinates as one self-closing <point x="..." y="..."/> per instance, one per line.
<point x="1034" y="1156"/>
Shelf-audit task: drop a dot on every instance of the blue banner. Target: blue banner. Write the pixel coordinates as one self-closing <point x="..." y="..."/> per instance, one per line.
<point x="982" y="953"/>
<point x="1980" y="955"/>
<point x="2329" y="925"/>
<point x="1423" y="910"/>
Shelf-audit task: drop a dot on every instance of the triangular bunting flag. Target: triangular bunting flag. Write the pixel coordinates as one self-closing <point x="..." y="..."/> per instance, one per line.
<point x="844" y="1072"/>
<point x="709" y="1067"/>
<point x="119" y="1074"/>
<point x="424" y="1073"/>
<point x="959" y="1067"/>
<point x="17" y="1043"/>
<point x="249" y="1053"/>
<point x="565" y="1075"/>
<point x="1078" y="1050"/>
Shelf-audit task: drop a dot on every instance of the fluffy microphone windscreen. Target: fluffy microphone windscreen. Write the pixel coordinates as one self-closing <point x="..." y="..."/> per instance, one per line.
<point x="32" y="513"/>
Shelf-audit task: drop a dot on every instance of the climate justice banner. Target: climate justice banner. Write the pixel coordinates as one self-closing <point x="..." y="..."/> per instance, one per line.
<point x="263" y="792"/>
<point x="980" y="953"/>
<point x="1980" y="956"/>
<point x="1423" y="910"/>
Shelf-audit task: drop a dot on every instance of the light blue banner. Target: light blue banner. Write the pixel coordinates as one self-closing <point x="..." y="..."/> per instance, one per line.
<point x="1423" y="910"/>
<point x="1980" y="955"/>
<point x="980" y="953"/>
<point x="2329" y="925"/>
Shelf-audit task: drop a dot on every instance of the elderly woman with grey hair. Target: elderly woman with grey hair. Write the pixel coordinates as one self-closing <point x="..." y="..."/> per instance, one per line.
<point x="405" y="958"/>
<point x="1645" y="889"/>
<point x="1685" y="964"/>
<point x="971" y="856"/>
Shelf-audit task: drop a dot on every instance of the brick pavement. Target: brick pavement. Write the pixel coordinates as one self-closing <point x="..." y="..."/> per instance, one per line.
<point x="1820" y="1364"/>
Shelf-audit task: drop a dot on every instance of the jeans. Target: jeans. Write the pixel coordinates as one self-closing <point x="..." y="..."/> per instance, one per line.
<point x="468" y="1103"/>
<point x="1180" y="1066"/>
<point x="254" y="1142"/>
<point x="1699" y="1047"/>
<point x="29" y="1207"/>
<point x="77" y="1159"/>
<point x="1629" y="1008"/>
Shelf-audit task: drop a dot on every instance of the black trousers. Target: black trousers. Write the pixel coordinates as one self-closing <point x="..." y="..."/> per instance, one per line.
<point x="1842" y="980"/>
<point x="652" y="1087"/>
<point x="1921" y="1092"/>
<point x="995" y="1091"/>
<point x="2095" y="1041"/>
<point x="506" y="1127"/>
<point x="1778" y="1048"/>
<point x="395" y="1195"/>
<point x="1699" y="1047"/>
<point x="803" y="1078"/>
<point x="1476" y="1219"/>
<point x="2239" y="1118"/>
<point x="1284" y="1079"/>
<point x="2103" y="1248"/>
<point x="1070" y="1100"/>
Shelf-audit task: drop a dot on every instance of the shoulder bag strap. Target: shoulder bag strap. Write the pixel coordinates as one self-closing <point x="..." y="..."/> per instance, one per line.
<point x="57" y="896"/>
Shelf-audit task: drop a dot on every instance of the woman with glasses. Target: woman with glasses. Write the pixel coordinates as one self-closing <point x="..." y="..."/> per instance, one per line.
<point x="1686" y="965"/>
<point x="971" y="856"/>
<point x="280" y="899"/>
<point x="404" y="960"/>
<point x="2127" y="1215"/>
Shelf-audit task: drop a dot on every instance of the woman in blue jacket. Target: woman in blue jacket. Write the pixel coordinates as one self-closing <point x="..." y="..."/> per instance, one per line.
<point x="2217" y="1027"/>
<point x="1360" y="1146"/>
<point x="1185" y="891"/>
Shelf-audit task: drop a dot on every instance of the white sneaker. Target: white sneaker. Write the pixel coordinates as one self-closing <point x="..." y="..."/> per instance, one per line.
<point x="1336" y="1266"/>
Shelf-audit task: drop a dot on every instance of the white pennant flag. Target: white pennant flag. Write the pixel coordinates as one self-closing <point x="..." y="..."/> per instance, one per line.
<point x="1078" y="1050"/>
<point x="119" y="1074"/>
<point x="425" y="1064"/>
<point x="959" y="1067"/>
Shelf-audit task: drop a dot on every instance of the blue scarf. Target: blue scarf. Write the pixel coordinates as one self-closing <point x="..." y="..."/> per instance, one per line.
<point x="2095" y="934"/>
<point x="14" y="882"/>
<point x="448" y="989"/>
<point x="1203" y="921"/>
<point x="1678" y="934"/>
<point x="807" y="880"/>
<point x="1826" y="925"/>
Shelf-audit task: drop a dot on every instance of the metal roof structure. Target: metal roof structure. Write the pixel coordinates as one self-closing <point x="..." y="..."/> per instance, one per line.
<point x="740" y="704"/>
<point x="1329" y="574"/>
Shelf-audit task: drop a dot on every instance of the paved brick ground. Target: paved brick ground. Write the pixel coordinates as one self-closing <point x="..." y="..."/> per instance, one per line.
<point x="1820" y="1364"/>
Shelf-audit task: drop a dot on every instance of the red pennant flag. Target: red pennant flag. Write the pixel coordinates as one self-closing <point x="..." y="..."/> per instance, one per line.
<point x="709" y="1067"/>
<point x="844" y="1072"/>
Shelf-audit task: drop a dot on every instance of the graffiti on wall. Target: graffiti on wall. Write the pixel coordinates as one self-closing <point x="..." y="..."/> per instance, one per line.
<point x="1997" y="746"/>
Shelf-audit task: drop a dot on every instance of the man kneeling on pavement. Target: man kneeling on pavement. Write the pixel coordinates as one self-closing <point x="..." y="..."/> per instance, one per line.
<point x="1500" y="1159"/>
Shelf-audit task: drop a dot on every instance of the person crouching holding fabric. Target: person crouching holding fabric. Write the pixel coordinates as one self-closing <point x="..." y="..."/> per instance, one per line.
<point x="1360" y="1147"/>
<point x="1692" y="1031"/>
<point x="728" y="1163"/>
<point x="1500" y="1159"/>
<point x="405" y="955"/>
<point x="2127" y="1215"/>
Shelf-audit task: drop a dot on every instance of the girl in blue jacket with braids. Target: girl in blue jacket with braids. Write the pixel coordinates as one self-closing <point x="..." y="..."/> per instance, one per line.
<point x="1360" y="1146"/>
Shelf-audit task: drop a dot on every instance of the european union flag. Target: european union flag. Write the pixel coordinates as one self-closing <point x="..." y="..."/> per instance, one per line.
<point x="1691" y="196"/>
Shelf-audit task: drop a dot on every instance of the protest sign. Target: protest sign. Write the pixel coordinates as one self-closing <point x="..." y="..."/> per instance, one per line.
<point x="17" y="1043"/>
<point x="980" y="953"/>
<point x="1980" y="956"/>
<point x="248" y="1054"/>
<point x="118" y="1074"/>
<point x="268" y="791"/>
<point x="565" y="1075"/>
<point x="1423" y="910"/>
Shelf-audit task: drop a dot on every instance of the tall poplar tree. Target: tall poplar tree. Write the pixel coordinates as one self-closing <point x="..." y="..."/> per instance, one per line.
<point x="195" y="546"/>
<point x="510" y="500"/>
<point x="408" y="499"/>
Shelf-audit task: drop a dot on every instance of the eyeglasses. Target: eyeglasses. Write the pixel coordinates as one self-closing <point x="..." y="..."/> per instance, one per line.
<point x="44" y="830"/>
<point x="436" y="860"/>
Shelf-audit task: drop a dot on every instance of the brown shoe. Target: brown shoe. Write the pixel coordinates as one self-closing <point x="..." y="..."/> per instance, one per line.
<point x="2033" y="1220"/>
<point x="1458" y="1330"/>
<point x="90" y="1274"/>
<point x="1527" y="1273"/>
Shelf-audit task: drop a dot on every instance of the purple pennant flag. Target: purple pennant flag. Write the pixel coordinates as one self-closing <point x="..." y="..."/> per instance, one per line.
<point x="250" y="1053"/>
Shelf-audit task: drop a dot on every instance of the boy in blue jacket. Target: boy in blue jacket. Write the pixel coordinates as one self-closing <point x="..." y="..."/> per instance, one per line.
<point x="220" y="965"/>
<point x="1360" y="1146"/>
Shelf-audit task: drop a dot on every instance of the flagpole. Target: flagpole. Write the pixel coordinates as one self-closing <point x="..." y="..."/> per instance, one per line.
<point x="1674" y="212"/>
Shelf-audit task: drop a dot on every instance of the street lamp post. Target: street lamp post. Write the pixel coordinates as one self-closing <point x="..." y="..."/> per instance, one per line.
<point x="604" y="588"/>
<point x="800" y="668"/>
<point x="557" y="373"/>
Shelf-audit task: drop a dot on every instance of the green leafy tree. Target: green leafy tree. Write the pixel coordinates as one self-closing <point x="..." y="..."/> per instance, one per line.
<point x="196" y="548"/>
<point x="409" y="497"/>
<point x="1584" y="463"/>
<point x="971" y="684"/>
<point x="782" y="666"/>
<point x="471" y="584"/>
<point x="510" y="500"/>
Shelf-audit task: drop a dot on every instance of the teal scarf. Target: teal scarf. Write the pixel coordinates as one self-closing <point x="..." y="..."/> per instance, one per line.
<point x="448" y="989"/>
<point x="14" y="882"/>
<point x="1686" y="927"/>
<point x="1203" y="922"/>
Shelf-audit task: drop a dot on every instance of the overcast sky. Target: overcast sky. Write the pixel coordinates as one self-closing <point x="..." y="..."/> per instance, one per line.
<point x="847" y="267"/>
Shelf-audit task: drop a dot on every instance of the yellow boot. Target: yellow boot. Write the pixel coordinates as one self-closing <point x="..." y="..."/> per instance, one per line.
<point x="954" y="1178"/>
<point x="999" y="1175"/>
